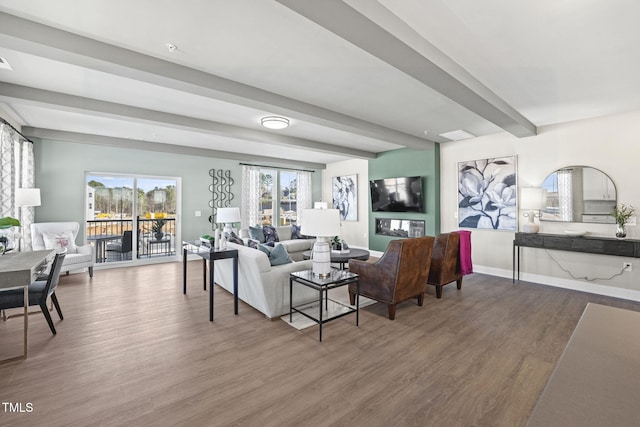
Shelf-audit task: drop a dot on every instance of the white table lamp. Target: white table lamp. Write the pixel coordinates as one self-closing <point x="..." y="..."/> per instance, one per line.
<point x="531" y="202"/>
<point x="323" y="224"/>
<point x="228" y="216"/>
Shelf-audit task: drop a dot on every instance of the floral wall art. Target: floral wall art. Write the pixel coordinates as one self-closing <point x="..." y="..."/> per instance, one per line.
<point x="345" y="196"/>
<point x="487" y="194"/>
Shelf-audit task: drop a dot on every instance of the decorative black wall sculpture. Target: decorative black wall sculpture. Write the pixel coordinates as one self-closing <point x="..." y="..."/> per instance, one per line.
<point x="221" y="195"/>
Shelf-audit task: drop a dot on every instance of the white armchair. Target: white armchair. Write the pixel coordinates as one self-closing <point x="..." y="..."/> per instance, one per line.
<point x="78" y="257"/>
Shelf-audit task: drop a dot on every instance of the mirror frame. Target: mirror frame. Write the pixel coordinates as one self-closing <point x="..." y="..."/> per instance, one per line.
<point x="593" y="209"/>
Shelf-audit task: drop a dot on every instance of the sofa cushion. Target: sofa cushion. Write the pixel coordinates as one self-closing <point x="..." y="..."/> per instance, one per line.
<point x="284" y="233"/>
<point x="60" y="241"/>
<point x="256" y="233"/>
<point x="298" y="245"/>
<point x="232" y="237"/>
<point x="270" y="234"/>
<point x="295" y="233"/>
<point x="277" y="256"/>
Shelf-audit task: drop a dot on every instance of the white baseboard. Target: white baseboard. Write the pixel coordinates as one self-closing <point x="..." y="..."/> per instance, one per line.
<point x="576" y="285"/>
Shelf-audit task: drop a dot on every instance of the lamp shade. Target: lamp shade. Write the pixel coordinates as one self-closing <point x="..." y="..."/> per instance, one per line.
<point x="320" y="222"/>
<point x="27" y="197"/>
<point x="228" y="215"/>
<point x="531" y="198"/>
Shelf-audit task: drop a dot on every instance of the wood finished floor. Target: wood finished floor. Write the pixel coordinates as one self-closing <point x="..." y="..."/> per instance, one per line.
<point x="133" y="350"/>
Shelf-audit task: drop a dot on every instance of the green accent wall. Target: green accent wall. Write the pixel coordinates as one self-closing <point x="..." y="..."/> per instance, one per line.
<point x="60" y="168"/>
<point x="407" y="162"/>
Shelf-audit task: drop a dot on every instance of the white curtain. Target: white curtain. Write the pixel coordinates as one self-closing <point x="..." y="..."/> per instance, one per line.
<point x="565" y="190"/>
<point x="250" y="205"/>
<point x="16" y="171"/>
<point x="304" y="191"/>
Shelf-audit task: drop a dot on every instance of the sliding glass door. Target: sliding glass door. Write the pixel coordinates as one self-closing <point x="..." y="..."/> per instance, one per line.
<point x="132" y="218"/>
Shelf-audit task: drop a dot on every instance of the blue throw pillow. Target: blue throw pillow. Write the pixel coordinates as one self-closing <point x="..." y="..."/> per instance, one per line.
<point x="256" y="233"/>
<point x="279" y="256"/>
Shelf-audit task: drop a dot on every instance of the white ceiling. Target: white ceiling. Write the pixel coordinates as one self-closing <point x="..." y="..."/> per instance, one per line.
<point x="356" y="77"/>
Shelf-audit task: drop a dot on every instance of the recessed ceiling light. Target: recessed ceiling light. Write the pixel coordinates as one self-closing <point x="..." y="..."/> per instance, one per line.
<point x="274" y="122"/>
<point x="170" y="47"/>
<point x="457" y="135"/>
<point x="4" y="64"/>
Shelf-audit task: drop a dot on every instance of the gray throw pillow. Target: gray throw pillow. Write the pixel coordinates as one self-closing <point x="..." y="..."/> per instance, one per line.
<point x="233" y="238"/>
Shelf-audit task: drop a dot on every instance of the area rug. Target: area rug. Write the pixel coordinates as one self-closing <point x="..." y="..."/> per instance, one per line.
<point x="341" y="295"/>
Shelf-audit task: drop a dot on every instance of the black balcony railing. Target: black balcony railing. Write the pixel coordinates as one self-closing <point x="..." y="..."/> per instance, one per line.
<point x="103" y="232"/>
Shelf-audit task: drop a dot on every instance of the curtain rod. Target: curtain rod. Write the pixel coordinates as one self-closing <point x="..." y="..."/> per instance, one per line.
<point x="15" y="130"/>
<point x="277" y="167"/>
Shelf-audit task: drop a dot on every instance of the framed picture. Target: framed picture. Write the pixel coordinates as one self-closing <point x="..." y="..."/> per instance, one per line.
<point x="344" y="190"/>
<point x="488" y="194"/>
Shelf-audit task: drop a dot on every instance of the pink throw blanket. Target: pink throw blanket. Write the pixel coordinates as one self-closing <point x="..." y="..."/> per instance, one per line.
<point x="466" y="266"/>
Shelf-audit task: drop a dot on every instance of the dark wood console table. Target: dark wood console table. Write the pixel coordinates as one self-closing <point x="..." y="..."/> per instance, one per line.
<point x="563" y="242"/>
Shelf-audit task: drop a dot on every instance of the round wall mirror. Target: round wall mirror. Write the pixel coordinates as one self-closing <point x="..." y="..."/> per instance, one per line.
<point x="579" y="194"/>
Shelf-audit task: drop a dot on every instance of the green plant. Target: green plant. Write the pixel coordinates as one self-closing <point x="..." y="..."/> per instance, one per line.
<point x="157" y="225"/>
<point x="622" y="214"/>
<point x="336" y="243"/>
<point x="8" y="222"/>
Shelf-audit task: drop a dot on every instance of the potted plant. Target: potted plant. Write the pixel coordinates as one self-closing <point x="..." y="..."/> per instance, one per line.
<point x="622" y="215"/>
<point x="156" y="228"/>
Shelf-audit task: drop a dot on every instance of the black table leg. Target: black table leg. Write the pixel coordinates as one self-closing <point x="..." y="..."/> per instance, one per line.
<point x="290" y="300"/>
<point x="320" y="310"/>
<point x="211" y="264"/>
<point x="357" y="302"/>
<point x="235" y="285"/>
<point x="204" y="273"/>
<point x="184" y="271"/>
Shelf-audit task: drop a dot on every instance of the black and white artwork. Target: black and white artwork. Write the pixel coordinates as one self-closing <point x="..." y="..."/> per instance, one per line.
<point x="345" y="196"/>
<point x="487" y="194"/>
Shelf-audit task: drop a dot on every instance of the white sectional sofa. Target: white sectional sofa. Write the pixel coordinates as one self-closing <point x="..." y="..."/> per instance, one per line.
<point x="264" y="287"/>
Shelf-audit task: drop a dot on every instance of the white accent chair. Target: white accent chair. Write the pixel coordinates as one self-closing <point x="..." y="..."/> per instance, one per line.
<point x="84" y="256"/>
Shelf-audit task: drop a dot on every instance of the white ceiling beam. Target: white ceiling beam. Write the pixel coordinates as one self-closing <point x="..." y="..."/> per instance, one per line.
<point x="436" y="71"/>
<point x="99" y="108"/>
<point x="136" y="144"/>
<point x="49" y="42"/>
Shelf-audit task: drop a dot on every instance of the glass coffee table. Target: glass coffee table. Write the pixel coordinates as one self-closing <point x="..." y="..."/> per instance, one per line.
<point x="324" y="309"/>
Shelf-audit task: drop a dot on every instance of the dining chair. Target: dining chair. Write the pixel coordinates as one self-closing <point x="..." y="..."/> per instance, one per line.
<point x="39" y="292"/>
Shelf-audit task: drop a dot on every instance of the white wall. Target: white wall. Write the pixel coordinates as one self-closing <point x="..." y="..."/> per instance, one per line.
<point x="353" y="232"/>
<point x="611" y="144"/>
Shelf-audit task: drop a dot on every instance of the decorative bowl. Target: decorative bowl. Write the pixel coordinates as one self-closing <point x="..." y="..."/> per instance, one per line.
<point x="574" y="233"/>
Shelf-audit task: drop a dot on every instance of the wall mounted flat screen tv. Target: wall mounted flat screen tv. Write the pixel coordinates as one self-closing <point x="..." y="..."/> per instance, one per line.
<point x="397" y="194"/>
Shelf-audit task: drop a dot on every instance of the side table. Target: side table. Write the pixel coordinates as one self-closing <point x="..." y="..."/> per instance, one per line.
<point x="332" y="309"/>
<point x="208" y="253"/>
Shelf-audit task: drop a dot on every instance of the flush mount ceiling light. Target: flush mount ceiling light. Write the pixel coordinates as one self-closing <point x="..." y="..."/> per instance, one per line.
<point x="457" y="135"/>
<point x="274" y="122"/>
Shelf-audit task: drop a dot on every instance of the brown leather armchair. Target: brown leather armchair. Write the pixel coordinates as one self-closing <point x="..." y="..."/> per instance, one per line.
<point x="400" y="274"/>
<point x="445" y="262"/>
